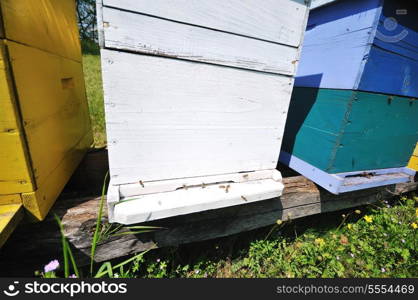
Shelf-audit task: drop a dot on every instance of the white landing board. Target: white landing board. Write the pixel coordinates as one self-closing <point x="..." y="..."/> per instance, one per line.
<point x="190" y="199"/>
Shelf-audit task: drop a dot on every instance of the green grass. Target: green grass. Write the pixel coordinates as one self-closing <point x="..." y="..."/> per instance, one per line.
<point x="342" y="244"/>
<point x="94" y="90"/>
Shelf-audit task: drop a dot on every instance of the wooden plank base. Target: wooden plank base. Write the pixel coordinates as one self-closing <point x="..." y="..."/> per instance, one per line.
<point x="39" y="243"/>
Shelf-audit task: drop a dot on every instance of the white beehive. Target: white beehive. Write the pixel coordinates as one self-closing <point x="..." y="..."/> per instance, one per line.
<point x="196" y="99"/>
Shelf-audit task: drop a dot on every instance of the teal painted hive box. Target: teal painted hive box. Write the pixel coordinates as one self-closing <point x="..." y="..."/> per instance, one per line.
<point x="353" y="117"/>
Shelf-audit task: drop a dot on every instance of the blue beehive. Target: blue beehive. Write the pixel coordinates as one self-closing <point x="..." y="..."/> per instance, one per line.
<point x="353" y="120"/>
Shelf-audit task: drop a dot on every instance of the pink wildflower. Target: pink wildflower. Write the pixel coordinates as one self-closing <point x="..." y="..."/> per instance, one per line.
<point x="51" y="266"/>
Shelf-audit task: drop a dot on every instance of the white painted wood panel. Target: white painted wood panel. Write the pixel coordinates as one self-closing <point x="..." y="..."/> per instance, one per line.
<point x="280" y="21"/>
<point x="145" y="34"/>
<point x="181" y="202"/>
<point x="170" y="118"/>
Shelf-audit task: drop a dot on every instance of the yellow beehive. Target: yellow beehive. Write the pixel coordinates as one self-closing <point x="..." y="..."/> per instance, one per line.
<point x="44" y="120"/>
<point x="413" y="163"/>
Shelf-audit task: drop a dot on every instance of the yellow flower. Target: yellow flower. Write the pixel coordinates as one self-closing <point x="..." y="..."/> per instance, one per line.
<point x="279" y="222"/>
<point x="368" y="219"/>
<point x="350" y="226"/>
<point x="357" y="211"/>
<point x="414" y="225"/>
<point x="416" y="212"/>
<point x="319" y="241"/>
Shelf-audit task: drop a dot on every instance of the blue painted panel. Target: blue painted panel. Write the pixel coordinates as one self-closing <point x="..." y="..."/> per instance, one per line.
<point x="392" y="67"/>
<point x="357" y="45"/>
<point x="390" y="73"/>
<point x="336" y="42"/>
<point x="398" y="27"/>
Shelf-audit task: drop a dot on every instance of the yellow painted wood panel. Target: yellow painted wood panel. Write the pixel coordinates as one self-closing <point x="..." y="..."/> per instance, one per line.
<point x="10" y="199"/>
<point x="413" y="164"/>
<point x="10" y="216"/>
<point x="416" y="151"/>
<point x="44" y="119"/>
<point x="53" y="105"/>
<point x="50" y="25"/>
<point x="15" y="174"/>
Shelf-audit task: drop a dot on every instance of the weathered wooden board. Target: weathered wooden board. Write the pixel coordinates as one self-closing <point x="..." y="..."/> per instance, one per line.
<point x="278" y="21"/>
<point x="170" y="118"/>
<point x="145" y="34"/>
<point x="301" y="198"/>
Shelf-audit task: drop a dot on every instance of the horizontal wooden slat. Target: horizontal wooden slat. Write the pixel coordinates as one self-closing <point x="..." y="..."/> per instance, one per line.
<point x="172" y="119"/>
<point x="280" y="21"/>
<point x="145" y="34"/>
<point x="50" y="25"/>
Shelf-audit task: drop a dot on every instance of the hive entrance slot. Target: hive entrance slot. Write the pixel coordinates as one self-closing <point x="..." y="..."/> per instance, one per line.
<point x="67" y="83"/>
<point x="222" y="184"/>
<point x="364" y="174"/>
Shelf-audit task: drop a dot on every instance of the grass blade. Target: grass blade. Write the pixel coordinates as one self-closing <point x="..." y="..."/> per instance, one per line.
<point x="136" y="230"/>
<point x="73" y="263"/>
<point x="96" y="235"/>
<point x="64" y="247"/>
<point x="104" y="269"/>
<point x="130" y="259"/>
<point x="107" y="265"/>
